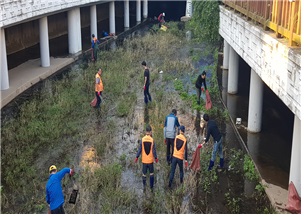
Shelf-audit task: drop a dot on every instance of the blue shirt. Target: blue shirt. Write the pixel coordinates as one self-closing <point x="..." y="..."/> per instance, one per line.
<point x="93" y="43"/>
<point x="54" y="195"/>
<point x="171" y="122"/>
<point x="213" y="130"/>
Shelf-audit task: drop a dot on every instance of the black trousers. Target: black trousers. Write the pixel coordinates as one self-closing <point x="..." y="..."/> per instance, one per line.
<point x="58" y="210"/>
<point x="170" y="146"/>
<point x="98" y="99"/>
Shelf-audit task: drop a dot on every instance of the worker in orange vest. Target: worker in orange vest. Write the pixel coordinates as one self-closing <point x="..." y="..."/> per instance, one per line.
<point x="147" y="149"/>
<point x="98" y="87"/>
<point x="180" y="153"/>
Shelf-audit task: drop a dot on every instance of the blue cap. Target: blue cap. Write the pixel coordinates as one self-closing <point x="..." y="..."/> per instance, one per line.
<point x="182" y="128"/>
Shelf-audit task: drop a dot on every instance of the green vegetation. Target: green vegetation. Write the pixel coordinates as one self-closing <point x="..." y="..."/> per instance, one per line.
<point x="59" y="127"/>
<point x="249" y="169"/>
<point x="205" y="21"/>
<point x="233" y="203"/>
<point x="235" y="156"/>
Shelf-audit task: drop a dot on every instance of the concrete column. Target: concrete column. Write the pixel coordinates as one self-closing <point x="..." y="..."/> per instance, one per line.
<point x="224" y="85"/>
<point x="93" y="16"/>
<point x="127" y="15"/>
<point x="255" y="107"/>
<point x="295" y="163"/>
<point x="44" y="42"/>
<point x="232" y="106"/>
<point x="145" y="9"/>
<point x="3" y="61"/>
<point x="189" y="8"/>
<point x="112" y="17"/>
<point x="74" y="31"/>
<point x="226" y="55"/>
<point x="253" y="145"/>
<point x="138" y="11"/>
<point x="233" y="72"/>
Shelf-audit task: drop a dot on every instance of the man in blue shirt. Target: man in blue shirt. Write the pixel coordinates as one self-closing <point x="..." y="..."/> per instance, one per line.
<point x="171" y="122"/>
<point x="54" y="195"/>
<point x="213" y="130"/>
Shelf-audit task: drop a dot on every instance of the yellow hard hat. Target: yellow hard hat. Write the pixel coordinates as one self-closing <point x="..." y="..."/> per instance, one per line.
<point x="53" y="167"/>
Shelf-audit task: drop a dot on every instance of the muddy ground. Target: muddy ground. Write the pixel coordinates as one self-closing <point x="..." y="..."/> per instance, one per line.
<point x="102" y="144"/>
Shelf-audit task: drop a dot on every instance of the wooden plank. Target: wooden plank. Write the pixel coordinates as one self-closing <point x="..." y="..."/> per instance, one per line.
<point x="265" y="15"/>
<point x="286" y="14"/>
<point x="273" y="11"/>
<point x="283" y="12"/>
<point x="293" y="4"/>
<point x="299" y="19"/>
<point x="278" y="21"/>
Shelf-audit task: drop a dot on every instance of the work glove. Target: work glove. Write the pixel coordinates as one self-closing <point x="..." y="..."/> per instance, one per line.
<point x="156" y="160"/>
<point x="72" y="172"/>
<point x="200" y="146"/>
<point x="144" y="87"/>
<point x="136" y="159"/>
<point x="186" y="164"/>
<point x="202" y="89"/>
<point x="165" y="141"/>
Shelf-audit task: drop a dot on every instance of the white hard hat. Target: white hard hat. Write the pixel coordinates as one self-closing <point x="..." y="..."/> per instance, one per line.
<point x="163" y="14"/>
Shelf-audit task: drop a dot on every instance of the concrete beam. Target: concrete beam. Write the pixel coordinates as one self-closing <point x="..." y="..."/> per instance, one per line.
<point x="126" y="14"/>
<point x="74" y="31"/>
<point x="295" y="163"/>
<point x="138" y="11"/>
<point x="233" y="72"/>
<point x="112" y="17"/>
<point x="3" y="61"/>
<point x="93" y="16"/>
<point x="255" y="108"/>
<point x="145" y="9"/>
<point x="44" y="42"/>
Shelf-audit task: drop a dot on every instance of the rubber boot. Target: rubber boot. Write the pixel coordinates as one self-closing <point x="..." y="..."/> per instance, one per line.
<point x="221" y="163"/>
<point x="151" y="182"/>
<point x="211" y="164"/>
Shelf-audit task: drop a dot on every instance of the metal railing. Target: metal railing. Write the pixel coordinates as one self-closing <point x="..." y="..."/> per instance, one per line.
<point x="281" y="16"/>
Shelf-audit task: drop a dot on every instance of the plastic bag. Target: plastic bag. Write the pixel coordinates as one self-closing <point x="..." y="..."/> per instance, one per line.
<point x="196" y="165"/>
<point x="94" y="102"/>
<point x="208" y="100"/>
<point x="294" y="200"/>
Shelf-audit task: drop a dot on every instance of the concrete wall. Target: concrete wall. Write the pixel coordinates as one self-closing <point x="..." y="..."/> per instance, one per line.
<point x="277" y="65"/>
<point x="16" y="11"/>
<point x="57" y="26"/>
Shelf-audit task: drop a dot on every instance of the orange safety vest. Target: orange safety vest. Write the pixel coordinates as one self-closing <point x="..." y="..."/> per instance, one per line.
<point x="98" y="87"/>
<point x="180" y="140"/>
<point x="147" y="149"/>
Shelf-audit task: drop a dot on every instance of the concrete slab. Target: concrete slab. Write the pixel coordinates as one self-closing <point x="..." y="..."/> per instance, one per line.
<point x="278" y="197"/>
<point x="28" y="74"/>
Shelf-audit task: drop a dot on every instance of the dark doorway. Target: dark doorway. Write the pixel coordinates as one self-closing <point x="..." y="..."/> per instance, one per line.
<point x="173" y="10"/>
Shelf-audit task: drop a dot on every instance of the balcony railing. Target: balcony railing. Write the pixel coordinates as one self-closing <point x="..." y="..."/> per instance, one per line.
<point x="281" y="16"/>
